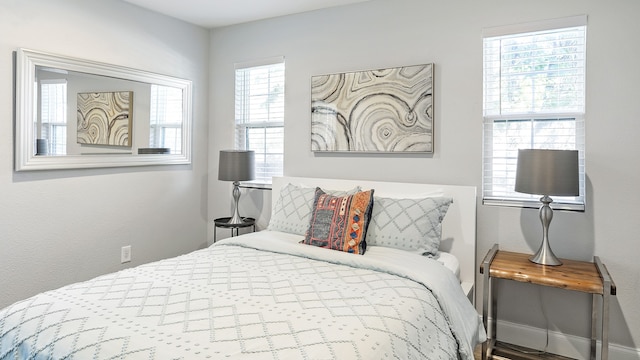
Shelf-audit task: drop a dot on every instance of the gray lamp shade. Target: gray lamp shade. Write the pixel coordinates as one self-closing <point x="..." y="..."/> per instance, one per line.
<point x="236" y="165"/>
<point x="548" y="172"/>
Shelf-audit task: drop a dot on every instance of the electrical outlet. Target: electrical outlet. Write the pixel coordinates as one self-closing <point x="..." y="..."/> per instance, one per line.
<point x="125" y="254"/>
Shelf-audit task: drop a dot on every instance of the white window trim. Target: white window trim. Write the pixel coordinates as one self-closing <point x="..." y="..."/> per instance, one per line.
<point x="260" y="62"/>
<point x="560" y="204"/>
<point x="258" y="184"/>
<point x="566" y="22"/>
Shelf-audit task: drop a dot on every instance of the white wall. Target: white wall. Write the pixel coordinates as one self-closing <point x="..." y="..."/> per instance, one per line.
<point x="387" y="33"/>
<point x="59" y="227"/>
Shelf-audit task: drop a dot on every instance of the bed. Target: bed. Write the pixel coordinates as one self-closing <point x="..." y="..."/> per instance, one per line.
<point x="283" y="293"/>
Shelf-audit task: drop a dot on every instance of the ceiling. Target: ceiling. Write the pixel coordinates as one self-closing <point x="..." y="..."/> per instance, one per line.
<point x="217" y="13"/>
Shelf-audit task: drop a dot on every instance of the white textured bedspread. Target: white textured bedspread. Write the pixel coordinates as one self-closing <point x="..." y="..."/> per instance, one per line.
<point x="238" y="300"/>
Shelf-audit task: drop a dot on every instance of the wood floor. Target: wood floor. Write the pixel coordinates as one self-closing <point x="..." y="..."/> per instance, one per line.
<point x="512" y="352"/>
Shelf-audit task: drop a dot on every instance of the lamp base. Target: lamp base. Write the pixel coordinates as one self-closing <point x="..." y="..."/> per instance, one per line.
<point x="236" y="219"/>
<point x="545" y="256"/>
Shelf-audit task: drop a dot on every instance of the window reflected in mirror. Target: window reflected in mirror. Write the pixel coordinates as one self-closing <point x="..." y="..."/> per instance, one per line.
<point x="166" y="118"/>
<point x="52" y="131"/>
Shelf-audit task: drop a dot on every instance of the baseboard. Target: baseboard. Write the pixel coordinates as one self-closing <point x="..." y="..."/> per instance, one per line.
<point x="561" y="344"/>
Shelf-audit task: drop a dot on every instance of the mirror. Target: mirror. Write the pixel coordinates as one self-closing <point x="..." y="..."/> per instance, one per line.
<point x="75" y="113"/>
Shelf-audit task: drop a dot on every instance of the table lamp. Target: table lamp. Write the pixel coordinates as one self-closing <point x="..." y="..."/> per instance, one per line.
<point x="236" y="166"/>
<point x="547" y="172"/>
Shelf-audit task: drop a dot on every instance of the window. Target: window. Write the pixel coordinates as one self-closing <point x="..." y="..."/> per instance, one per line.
<point x="260" y="115"/>
<point x="165" y="126"/>
<point x="534" y="97"/>
<point x="53" y="114"/>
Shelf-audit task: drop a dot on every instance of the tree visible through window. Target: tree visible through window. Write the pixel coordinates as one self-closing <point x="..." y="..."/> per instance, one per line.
<point x="259" y="109"/>
<point x="534" y="97"/>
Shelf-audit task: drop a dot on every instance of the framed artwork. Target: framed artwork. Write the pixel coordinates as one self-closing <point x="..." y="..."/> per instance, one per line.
<point x="385" y="110"/>
<point x="104" y="118"/>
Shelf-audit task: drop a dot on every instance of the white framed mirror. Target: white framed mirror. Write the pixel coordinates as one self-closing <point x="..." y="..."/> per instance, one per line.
<point x="74" y="113"/>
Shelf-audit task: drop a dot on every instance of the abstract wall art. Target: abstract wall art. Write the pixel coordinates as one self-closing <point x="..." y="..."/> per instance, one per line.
<point x="385" y="110"/>
<point x="104" y="118"/>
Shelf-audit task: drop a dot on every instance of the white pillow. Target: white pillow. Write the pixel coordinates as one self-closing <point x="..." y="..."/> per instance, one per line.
<point x="291" y="213"/>
<point x="408" y="224"/>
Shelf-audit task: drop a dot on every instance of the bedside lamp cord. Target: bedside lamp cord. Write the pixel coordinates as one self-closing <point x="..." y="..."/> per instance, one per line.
<point x="546" y="319"/>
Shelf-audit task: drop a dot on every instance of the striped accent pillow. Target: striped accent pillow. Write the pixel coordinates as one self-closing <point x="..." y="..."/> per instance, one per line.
<point x="340" y="222"/>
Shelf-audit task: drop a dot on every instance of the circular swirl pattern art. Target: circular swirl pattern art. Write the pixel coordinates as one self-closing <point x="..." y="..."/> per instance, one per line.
<point x="387" y="110"/>
<point x="104" y="118"/>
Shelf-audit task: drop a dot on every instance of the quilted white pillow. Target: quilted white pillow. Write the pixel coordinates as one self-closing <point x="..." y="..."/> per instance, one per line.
<point x="408" y="224"/>
<point x="292" y="211"/>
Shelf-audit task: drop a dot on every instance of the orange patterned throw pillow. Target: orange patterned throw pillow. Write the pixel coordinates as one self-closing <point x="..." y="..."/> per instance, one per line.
<point x="340" y="222"/>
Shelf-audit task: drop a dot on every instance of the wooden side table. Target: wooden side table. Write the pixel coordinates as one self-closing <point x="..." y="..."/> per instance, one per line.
<point x="588" y="277"/>
<point x="224" y="223"/>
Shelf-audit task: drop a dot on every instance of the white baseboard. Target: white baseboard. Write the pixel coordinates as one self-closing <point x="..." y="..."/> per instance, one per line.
<point x="571" y="346"/>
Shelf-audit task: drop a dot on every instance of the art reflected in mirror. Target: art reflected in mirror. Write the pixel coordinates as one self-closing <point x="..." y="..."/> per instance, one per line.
<point x="384" y="110"/>
<point x="79" y="107"/>
<point x="104" y="118"/>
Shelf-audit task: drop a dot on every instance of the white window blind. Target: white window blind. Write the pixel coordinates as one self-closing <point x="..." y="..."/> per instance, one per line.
<point x="259" y="108"/>
<point x="53" y="115"/>
<point x="534" y="97"/>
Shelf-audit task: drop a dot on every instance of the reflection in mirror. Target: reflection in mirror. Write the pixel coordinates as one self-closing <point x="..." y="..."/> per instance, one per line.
<point x="73" y="113"/>
<point x="166" y="118"/>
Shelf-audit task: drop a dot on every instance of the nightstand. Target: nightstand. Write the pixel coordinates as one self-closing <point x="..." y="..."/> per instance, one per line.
<point x="584" y="276"/>
<point x="224" y="223"/>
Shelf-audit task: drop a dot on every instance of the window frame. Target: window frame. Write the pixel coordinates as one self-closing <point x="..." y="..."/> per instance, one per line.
<point x="243" y="125"/>
<point x="493" y="117"/>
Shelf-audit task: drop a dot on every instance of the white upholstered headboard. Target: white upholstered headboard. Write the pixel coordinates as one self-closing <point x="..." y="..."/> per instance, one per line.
<point x="458" y="227"/>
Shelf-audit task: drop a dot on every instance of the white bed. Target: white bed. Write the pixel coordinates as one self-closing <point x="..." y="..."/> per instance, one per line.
<point x="265" y="295"/>
<point x="458" y="227"/>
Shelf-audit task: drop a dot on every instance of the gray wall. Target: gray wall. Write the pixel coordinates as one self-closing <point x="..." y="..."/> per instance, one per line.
<point x="59" y="227"/>
<point x="388" y="33"/>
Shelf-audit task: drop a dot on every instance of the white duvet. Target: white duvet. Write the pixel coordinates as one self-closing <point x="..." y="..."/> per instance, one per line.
<point x="257" y="296"/>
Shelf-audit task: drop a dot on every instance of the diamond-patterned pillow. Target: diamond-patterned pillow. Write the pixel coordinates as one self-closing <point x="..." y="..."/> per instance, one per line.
<point x="340" y="222"/>
<point x="292" y="210"/>
<point x="409" y="224"/>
